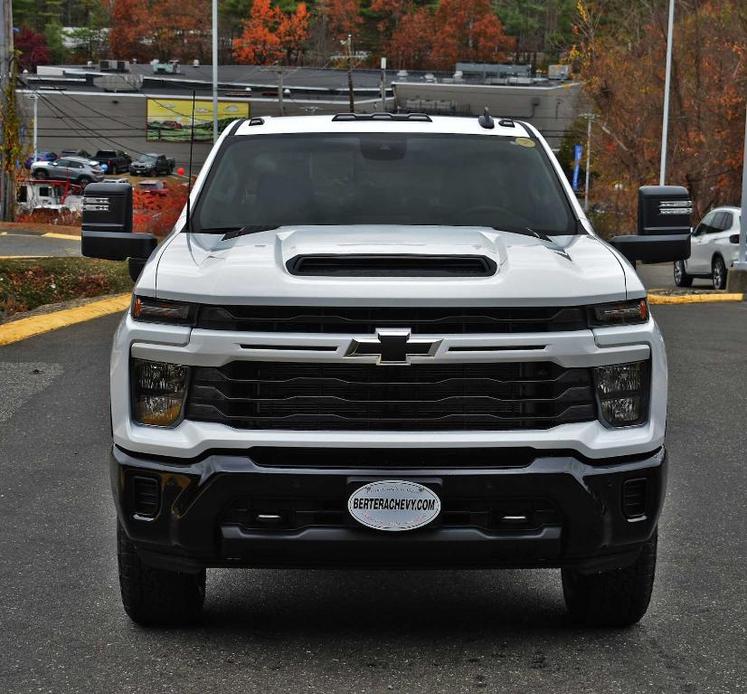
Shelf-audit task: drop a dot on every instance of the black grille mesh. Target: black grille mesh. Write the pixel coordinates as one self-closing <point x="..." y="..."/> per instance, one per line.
<point x="343" y="396"/>
<point x="363" y="320"/>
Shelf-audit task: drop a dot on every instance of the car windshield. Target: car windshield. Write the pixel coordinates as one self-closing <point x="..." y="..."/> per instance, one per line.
<point x="147" y="158"/>
<point x="384" y="178"/>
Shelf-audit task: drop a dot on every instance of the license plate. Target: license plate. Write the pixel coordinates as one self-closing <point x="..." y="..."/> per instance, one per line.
<point x="394" y="505"/>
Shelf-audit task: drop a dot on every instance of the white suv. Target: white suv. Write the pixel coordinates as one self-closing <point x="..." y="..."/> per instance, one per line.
<point x="714" y="249"/>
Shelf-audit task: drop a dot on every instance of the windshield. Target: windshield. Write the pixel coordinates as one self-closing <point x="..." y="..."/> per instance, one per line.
<point x="147" y="158"/>
<point x="383" y="178"/>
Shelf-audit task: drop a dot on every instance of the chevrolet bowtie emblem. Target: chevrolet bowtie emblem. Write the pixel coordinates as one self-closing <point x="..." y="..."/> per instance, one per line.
<point x="393" y="346"/>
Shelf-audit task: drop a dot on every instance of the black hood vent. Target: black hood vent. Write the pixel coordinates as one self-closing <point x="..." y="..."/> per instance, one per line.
<point x="391" y="265"/>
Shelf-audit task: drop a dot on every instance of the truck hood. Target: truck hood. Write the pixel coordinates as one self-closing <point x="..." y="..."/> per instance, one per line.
<point x="249" y="269"/>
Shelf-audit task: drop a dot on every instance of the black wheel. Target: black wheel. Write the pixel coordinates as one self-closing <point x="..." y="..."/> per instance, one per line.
<point x="84" y="180"/>
<point x="614" y="598"/>
<point x="156" y="597"/>
<point x="718" y="268"/>
<point x="41" y="174"/>
<point x="681" y="278"/>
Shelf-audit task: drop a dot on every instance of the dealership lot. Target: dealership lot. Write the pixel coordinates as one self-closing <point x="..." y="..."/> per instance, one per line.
<point x="277" y="631"/>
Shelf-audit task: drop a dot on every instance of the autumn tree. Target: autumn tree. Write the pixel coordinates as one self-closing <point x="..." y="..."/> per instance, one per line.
<point x="412" y="40"/>
<point x="271" y="35"/>
<point x="341" y="17"/>
<point x="129" y="21"/>
<point x="468" y="30"/>
<point x="622" y="66"/>
<point x="32" y="47"/>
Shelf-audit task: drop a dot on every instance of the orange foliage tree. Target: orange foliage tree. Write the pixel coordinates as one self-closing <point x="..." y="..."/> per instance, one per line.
<point x="163" y="29"/>
<point x="418" y="37"/>
<point x="622" y="66"/>
<point x="129" y="18"/>
<point x="412" y="40"/>
<point x="271" y="35"/>
<point x="468" y="30"/>
<point x="341" y="17"/>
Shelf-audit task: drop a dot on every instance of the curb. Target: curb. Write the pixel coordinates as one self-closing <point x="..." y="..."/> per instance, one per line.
<point x="693" y="298"/>
<point x="24" y="328"/>
<point x="55" y="235"/>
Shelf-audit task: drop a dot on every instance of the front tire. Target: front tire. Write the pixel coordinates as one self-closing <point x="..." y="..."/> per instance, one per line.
<point x="157" y="597"/>
<point x="718" y="268"/>
<point x="681" y="278"/>
<point x="41" y="174"/>
<point x="613" y="598"/>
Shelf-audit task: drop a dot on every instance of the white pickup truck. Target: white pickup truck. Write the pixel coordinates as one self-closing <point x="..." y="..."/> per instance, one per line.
<point x="387" y="341"/>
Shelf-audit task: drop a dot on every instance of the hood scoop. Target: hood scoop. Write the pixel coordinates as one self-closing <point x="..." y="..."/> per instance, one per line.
<point x="391" y="265"/>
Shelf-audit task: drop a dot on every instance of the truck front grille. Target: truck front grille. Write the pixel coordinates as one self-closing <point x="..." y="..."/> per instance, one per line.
<point x="435" y="397"/>
<point x="363" y="320"/>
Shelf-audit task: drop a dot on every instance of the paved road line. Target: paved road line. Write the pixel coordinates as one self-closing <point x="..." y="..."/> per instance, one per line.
<point x="24" y="328"/>
<point x="693" y="298"/>
<point x="55" y="235"/>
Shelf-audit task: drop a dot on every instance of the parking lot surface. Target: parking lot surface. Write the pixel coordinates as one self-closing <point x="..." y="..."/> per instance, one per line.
<point x="19" y="244"/>
<point x="63" y="629"/>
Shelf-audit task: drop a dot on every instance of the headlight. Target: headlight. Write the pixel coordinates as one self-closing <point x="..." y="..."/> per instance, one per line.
<point x="622" y="392"/>
<point x="158" y="392"/>
<point x="619" y="313"/>
<point x="146" y="308"/>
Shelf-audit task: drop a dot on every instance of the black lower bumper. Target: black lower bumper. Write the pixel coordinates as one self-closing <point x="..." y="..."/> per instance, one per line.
<point x="554" y="511"/>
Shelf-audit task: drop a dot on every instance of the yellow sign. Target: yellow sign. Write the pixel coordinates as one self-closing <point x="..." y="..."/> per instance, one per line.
<point x="170" y="120"/>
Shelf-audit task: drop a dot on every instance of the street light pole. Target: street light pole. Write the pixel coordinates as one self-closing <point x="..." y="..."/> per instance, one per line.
<point x="35" y="98"/>
<point x="383" y="85"/>
<point x="667" y="87"/>
<point x="741" y="263"/>
<point x="215" y="70"/>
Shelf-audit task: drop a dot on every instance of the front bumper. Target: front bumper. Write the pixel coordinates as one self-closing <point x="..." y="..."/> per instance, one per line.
<point x="207" y="511"/>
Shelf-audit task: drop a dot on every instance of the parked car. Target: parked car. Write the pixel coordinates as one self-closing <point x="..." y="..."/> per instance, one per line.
<point x="75" y="169"/>
<point x="116" y="160"/>
<point x="381" y="342"/>
<point x="40" y="156"/>
<point x="82" y="153"/>
<point x="714" y="249"/>
<point x="153" y="187"/>
<point x="152" y="165"/>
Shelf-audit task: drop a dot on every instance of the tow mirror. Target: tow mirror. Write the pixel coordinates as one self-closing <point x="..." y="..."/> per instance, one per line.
<point x="107" y="226"/>
<point x="664" y="229"/>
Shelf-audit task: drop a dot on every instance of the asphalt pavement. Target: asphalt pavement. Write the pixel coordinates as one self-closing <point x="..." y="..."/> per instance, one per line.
<point x="19" y="244"/>
<point x="63" y="629"/>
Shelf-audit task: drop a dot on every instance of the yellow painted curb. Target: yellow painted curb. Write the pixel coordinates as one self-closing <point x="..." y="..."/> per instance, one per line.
<point x="693" y="298"/>
<point x="24" y="328"/>
<point x="55" y="235"/>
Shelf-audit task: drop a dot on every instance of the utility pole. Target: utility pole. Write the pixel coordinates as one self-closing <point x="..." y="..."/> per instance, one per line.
<point x="667" y="87"/>
<point x="383" y="85"/>
<point x="215" y="70"/>
<point x="350" y="72"/>
<point x="7" y="113"/>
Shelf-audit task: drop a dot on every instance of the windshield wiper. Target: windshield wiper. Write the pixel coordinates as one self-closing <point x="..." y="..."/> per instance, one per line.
<point x="233" y="232"/>
<point x="527" y="231"/>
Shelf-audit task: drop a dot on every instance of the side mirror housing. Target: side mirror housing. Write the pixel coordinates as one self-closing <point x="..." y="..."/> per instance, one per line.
<point x="664" y="226"/>
<point x="107" y="224"/>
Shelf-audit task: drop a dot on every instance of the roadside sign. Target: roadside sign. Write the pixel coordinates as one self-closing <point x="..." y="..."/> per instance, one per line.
<point x="578" y="152"/>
